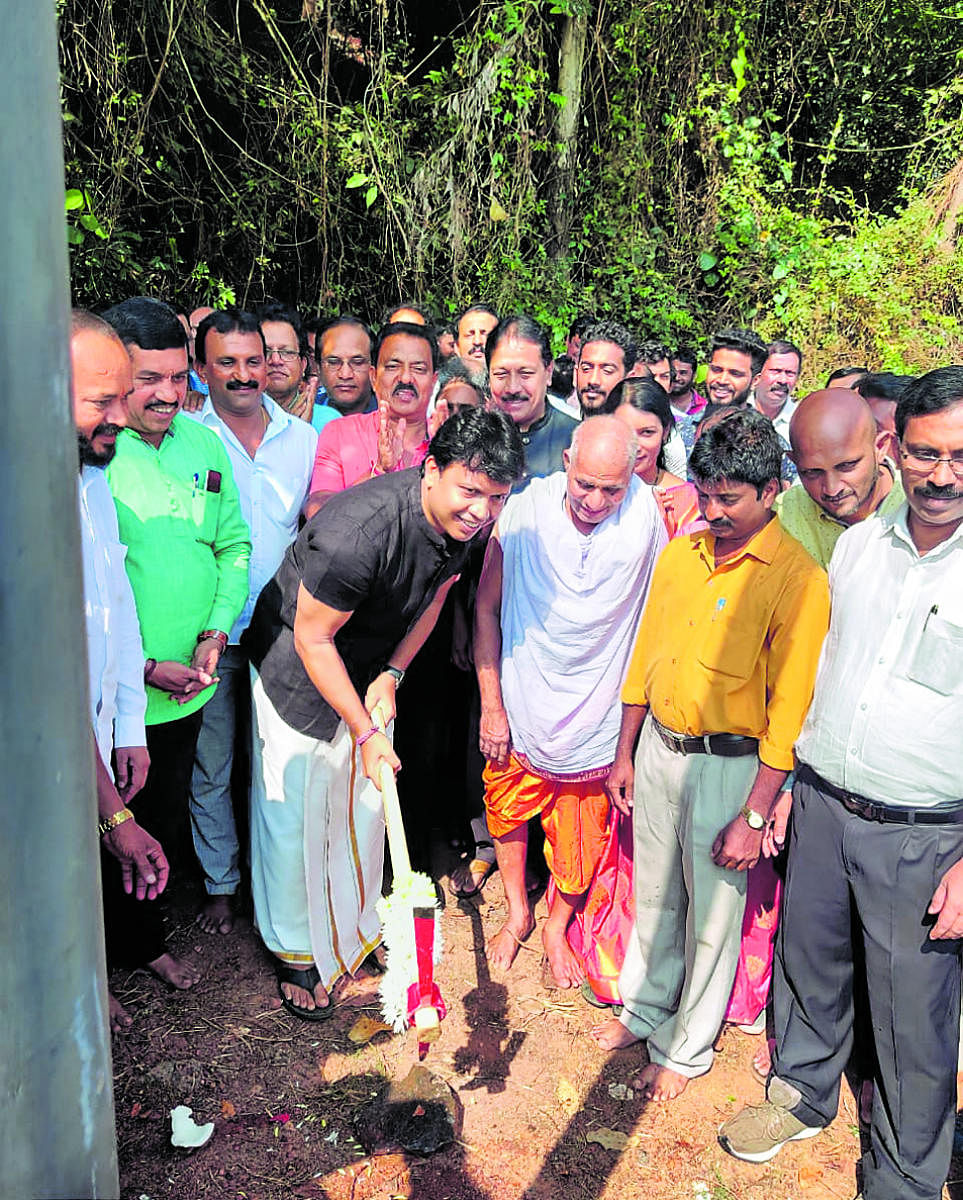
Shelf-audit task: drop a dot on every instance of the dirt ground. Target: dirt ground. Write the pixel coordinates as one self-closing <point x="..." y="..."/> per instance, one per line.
<point x="544" y="1116"/>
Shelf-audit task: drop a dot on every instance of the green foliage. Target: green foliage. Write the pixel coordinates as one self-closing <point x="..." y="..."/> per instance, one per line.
<point x="768" y="163"/>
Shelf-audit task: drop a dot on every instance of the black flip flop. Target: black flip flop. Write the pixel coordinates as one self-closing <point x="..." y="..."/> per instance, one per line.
<point x="307" y="979"/>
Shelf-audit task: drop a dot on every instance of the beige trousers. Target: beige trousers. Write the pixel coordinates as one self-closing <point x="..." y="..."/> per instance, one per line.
<point x="681" y="959"/>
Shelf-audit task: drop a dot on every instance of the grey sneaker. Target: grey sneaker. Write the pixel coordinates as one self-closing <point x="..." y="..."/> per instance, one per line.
<point x="758" y="1133"/>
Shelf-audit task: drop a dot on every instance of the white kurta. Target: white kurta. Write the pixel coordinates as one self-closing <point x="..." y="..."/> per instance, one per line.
<point x="571" y="604"/>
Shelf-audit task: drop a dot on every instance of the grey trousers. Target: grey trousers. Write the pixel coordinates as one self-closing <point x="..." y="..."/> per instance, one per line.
<point x="681" y="959"/>
<point x="841" y="865"/>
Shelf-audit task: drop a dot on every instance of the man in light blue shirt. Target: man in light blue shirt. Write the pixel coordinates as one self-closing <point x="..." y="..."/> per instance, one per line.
<point x="272" y="456"/>
<point x="344" y="362"/>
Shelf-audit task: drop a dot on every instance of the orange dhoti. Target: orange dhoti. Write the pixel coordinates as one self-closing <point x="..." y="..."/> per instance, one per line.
<point x="575" y="812"/>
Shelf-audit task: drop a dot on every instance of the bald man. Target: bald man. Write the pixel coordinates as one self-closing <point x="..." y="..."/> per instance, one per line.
<point x="566" y="574"/>
<point x="844" y="474"/>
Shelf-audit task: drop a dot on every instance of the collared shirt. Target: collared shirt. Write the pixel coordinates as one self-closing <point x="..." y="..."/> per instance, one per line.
<point x="272" y="487"/>
<point x="196" y="383"/>
<point x="732" y="648"/>
<point x="115" y="656"/>
<point x="696" y="405"/>
<point x="888" y="709"/>
<point x="817" y="530"/>
<point x="324" y="412"/>
<point x="348" y="451"/>
<point x="544" y="442"/>
<point x="780" y="421"/>
<point x="570" y="608"/>
<point x="371" y="552"/>
<point x="188" y="545"/>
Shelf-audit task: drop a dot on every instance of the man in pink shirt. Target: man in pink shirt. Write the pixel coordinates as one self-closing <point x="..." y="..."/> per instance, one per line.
<point x="366" y="445"/>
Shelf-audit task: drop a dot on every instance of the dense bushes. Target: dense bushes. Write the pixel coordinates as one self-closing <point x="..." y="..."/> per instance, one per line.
<point x="681" y="165"/>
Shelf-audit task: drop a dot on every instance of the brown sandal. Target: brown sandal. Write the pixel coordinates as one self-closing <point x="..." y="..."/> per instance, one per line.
<point x="467" y="879"/>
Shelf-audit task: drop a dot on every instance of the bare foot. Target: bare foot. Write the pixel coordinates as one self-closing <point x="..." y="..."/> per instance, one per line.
<point x="503" y="947"/>
<point x="175" y="971"/>
<point x="762" y="1060"/>
<point x="659" y="1083"/>
<point x="565" y="968"/>
<point x="120" y="1018"/>
<point x="216" y="914"/>
<point x="613" y="1035"/>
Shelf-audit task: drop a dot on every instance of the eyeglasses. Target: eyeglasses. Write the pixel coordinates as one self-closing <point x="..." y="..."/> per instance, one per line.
<point x="283" y="352"/>
<point x="355" y="365"/>
<point x="927" y="461"/>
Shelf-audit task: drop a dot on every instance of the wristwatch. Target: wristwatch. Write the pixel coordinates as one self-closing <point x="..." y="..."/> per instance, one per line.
<point x="396" y="674"/>
<point x="754" y="820"/>
<point x="118" y="818"/>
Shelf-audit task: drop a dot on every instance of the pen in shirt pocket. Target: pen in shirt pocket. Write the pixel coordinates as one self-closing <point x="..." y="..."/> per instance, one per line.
<point x="720" y="605"/>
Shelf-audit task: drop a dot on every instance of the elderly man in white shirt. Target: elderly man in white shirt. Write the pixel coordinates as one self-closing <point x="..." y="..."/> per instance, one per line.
<point x="566" y="574"/>
<point x="272" y="456"/>
<point x="877" y="829"/>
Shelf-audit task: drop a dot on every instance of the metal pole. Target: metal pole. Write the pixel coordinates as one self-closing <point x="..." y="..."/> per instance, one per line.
<point x="56" y="1097"/>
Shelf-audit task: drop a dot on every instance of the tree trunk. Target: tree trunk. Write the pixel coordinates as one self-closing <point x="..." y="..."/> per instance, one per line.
<point x="570" y="68"/>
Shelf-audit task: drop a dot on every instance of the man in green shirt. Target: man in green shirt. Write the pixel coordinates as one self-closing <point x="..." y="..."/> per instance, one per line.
<point x="188" y="548"/>
<point x="844" y="475"/>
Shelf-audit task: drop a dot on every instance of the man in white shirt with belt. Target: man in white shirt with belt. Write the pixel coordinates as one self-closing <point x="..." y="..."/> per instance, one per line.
<point x="877" y="829"/>
<point x="272" y="456"/>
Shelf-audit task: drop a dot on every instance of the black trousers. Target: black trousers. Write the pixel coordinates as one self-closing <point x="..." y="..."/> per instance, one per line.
<point x="134" y="929"/>
<point x="847" y="872"/>
<point x="430" y="736"/>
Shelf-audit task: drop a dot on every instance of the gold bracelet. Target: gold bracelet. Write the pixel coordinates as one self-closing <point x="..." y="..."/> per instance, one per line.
<point x="115" y="819"/>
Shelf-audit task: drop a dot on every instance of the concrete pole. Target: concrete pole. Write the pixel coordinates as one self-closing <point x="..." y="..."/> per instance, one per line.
<point x="56" y="1097"/>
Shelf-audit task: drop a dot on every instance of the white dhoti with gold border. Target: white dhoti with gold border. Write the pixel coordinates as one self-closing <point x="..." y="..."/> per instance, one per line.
<point x="317" y="845"/>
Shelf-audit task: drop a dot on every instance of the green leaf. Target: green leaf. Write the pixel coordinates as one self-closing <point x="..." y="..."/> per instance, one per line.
<point x="356" y="181"/>
<point x="780" y="271"/>
<point x="707" y="261"/>
<point x="89" y="221"/>
<point x="370" y="196"/>
<point x="73" y="199"/>
<point x="711" y="279"/>
<point x="74" y="236"/>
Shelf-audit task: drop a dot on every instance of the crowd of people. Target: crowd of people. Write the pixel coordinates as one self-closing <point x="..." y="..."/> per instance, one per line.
<point x="713" y="643"/>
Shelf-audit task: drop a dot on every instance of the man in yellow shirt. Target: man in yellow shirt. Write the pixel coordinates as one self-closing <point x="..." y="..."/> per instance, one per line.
<point x="721" y="676"/>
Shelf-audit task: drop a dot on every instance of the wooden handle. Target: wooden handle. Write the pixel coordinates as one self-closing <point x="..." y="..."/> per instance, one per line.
<point x="397" y="844"/>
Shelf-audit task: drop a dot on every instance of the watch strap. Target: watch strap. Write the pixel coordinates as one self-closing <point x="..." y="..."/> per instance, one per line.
<point x="753" y="819"/>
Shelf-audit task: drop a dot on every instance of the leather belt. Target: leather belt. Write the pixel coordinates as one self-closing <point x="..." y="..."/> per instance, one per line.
<point x="873" y="810"/>
<point x="724" y="745"/>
